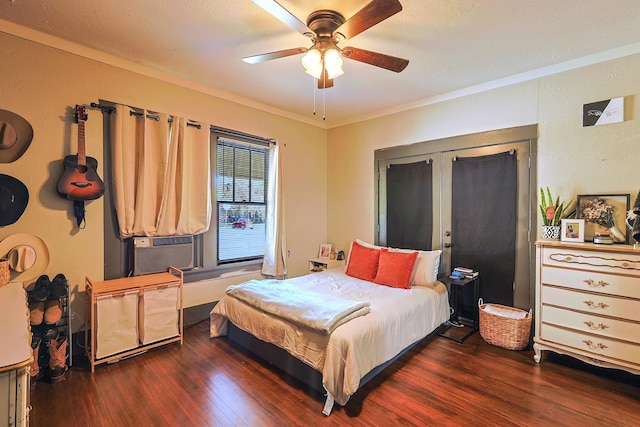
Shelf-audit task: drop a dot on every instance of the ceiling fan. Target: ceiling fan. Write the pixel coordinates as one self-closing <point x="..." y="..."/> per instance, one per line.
<point x="327" y="28"/>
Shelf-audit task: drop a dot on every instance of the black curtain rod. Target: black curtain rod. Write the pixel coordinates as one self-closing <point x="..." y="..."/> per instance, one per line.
<point x="215" y="129"/>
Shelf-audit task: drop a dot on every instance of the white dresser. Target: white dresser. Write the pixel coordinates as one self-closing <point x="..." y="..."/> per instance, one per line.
<point x="588" y="303"/>
<point x="15" y="356"/>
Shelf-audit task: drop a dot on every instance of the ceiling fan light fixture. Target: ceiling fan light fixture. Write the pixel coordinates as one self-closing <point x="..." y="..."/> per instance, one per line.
<point x="333" y="63"/>
<point x="312" y="62"/>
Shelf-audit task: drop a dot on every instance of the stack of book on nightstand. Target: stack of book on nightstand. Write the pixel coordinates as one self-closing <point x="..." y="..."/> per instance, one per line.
<point x="461" y="273"/>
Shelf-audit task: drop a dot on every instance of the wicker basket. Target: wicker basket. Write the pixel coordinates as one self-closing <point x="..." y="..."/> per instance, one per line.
<point x="5" y="274"/>
<point x="503" y="331"/>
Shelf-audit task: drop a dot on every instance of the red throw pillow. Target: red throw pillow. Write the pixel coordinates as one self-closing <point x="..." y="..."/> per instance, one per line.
<point x="363" y="262"/>
<point x="394" y="268"/>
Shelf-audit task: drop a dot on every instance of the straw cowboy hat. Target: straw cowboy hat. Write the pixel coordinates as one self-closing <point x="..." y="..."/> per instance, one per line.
<point x="15" y="136"/>
<point x="14" y="197"/>
<point x="27" y="254"/>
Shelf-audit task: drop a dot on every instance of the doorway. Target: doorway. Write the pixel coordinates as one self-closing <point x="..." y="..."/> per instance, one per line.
<point x="518" y="141"/>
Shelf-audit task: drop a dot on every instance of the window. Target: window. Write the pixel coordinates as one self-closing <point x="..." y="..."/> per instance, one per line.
<point x="237" y="232"/>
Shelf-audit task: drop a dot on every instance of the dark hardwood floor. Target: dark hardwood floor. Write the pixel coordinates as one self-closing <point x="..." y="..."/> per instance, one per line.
<point x="208" y="382"/>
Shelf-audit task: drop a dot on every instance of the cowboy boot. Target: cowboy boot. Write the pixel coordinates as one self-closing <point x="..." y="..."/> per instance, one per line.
<point x="57" y="359"/>
<point x="34" y="369"/>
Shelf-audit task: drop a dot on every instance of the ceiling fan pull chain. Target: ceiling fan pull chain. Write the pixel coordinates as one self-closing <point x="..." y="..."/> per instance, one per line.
<point x="324" y="97"/>
<point x="313" y="79"/>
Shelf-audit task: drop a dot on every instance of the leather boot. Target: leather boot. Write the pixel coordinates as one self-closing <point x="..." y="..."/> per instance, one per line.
<point x="34" y="369"/>
<point x="40" y="291"/>
<point x="59" y="286"/>
<point x="57" y="359"/>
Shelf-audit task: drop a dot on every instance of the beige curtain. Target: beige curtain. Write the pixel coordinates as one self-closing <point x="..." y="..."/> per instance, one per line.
<point x="161" y="179"/>
<point x="275" y="253"/>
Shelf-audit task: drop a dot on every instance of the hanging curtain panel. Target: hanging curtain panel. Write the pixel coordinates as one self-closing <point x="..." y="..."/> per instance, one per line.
<point x="483" y="229"/>
<point x="410" y="205"/>
<point x="186" y="200"/>
<point x="160" y="169"/>
<point x="275" y="253"/>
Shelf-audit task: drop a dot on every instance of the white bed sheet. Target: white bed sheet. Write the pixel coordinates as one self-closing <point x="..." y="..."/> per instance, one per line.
<point x="398" y="318"/>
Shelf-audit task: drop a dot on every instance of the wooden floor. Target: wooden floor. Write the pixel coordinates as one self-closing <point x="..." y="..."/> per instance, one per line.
<point x="208" y="382"/>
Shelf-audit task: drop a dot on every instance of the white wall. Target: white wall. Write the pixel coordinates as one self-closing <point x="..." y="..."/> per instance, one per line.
<point x="571" y="159"/>
<point x="43" y="85"/>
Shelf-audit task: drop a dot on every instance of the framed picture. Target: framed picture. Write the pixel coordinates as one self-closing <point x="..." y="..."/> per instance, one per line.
<point x="572" y="230"/>
<point x="604" y="214"/>
<point x="325" y="250"/>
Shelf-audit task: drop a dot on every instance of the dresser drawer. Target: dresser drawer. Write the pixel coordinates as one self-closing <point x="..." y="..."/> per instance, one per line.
<point x="605" y="262"/>
<point x="628" y="286"/>
<point x="603" y="326"/>
<point x="598" y="304"/>
<point x="597" y="346"/>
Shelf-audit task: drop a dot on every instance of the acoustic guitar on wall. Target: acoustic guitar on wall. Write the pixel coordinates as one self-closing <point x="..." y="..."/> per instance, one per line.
<point x="80" y="180"/>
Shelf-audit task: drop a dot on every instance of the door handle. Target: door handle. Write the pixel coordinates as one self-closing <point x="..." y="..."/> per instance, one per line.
<point x="446" y="245"/>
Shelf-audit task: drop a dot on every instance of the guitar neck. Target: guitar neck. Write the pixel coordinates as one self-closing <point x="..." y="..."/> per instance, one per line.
<point x="82" y="156"/>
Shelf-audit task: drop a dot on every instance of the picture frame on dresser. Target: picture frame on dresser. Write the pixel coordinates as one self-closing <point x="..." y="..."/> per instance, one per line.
<point x="604" y="213"/>
<point x="572" y="230"/>
<point x="325" y="250"/>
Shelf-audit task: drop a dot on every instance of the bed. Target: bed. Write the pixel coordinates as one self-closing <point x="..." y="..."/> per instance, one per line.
<point x="374" y="322"/>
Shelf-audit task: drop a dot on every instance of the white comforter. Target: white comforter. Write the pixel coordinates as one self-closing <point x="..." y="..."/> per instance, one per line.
<point x="398" y="318"/>
<point x="316" y="310"/>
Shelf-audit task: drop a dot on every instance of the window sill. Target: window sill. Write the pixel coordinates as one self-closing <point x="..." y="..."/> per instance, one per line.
<point x="222" y="272"/>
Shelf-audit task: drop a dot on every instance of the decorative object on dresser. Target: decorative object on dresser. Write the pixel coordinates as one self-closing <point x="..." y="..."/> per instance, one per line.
<point x="604" y="213"/>
<point x="572" y="230"/>
<point x="551" y="214"/>
<point x="632" y="223"/>
<point x="588" y="303"/>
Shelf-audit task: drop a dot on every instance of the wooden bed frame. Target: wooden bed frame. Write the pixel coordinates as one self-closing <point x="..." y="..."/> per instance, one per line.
<point x="281" y="359"/>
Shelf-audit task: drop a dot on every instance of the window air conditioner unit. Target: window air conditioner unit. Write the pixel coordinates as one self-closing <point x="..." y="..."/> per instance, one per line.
<point x="156" y="254"/>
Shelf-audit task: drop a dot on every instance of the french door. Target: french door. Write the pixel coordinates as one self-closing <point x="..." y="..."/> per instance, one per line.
<point x="520" y="291"/>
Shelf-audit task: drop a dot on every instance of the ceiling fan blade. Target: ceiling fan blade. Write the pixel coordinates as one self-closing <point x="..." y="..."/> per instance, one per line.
<point x="255" y="59"/>
<point x="373" y="13"/>
<point x="381" y="60"/>
<point x="275" y="9"/>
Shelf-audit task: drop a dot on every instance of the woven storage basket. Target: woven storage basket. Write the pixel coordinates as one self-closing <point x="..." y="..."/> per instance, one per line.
<point x="503" y="331"/>
<point x="5" y="274"/>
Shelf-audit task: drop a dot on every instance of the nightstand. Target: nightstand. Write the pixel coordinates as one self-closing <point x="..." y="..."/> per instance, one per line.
<point x="321" y="264"/>
<point x="453" y="329"/>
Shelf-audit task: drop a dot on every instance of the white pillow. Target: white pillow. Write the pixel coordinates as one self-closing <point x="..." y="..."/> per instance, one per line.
<point x="425" y="270"/>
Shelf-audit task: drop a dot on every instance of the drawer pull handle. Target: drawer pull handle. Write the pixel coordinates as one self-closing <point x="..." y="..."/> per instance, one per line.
<point x="594" y="306"/>
<point x="593" y="346"/>
<point x="595" y="327"/>
<point x="592" y="284"/>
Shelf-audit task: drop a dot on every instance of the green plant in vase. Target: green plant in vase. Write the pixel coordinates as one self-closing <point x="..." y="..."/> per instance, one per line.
<point x="551" y="214"/>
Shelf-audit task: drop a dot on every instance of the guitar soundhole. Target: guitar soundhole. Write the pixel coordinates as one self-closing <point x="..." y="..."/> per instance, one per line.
<point x="82" y="168"/>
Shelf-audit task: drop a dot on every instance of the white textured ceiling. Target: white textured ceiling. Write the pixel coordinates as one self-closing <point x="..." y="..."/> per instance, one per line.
<point x="454" y="46"/>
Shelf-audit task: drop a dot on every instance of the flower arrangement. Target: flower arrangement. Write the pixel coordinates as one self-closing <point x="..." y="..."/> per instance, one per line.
<point x="551" y="212"/>
<point x="598" y="211"/>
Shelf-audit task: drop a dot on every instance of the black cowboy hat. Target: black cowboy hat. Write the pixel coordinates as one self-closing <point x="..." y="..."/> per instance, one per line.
<point x="14" y="197"/>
